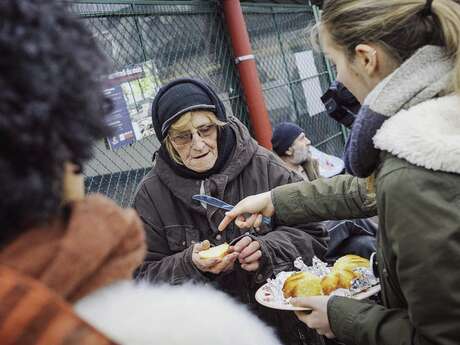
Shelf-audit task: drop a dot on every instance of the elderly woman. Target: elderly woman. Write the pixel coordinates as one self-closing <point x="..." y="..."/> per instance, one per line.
<point x="204" y="152"/>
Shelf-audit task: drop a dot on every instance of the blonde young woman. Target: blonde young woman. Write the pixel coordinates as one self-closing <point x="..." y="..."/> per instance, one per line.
<point x="401" y="59"/>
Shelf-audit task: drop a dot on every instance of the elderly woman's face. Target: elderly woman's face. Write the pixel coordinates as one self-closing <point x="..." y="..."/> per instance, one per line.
<point x="197" y="143"/>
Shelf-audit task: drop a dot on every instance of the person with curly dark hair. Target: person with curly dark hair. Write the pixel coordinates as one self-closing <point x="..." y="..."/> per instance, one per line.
<point x="52" y="110"/>
<point x="64" y="257"/>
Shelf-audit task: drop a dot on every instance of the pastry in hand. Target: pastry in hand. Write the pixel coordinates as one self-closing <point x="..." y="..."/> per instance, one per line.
<point x="302" y="284"/>
<point x="214" y="252"/>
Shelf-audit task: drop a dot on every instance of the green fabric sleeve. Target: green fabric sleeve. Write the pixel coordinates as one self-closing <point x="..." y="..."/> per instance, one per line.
<point x="336" y="198"/>
<point x="359" y="323"/>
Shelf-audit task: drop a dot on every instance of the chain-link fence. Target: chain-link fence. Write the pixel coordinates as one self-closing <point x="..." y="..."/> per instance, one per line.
<point x="293" y="75"/>
<point x="153" y="42"/>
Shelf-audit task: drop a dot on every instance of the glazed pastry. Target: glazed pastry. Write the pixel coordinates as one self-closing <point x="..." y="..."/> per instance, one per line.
<point x="350" y="263"/>
<point x="342" y="273"/>
<point x="330" y="282"/>
<point x="302" y="284"/>
<point x="336" y="280"/>
<point x="214" y="252"/>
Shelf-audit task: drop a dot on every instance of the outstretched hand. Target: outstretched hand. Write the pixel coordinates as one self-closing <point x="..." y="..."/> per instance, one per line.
<point x="256" y="205"/>
<point x="318" y="318"/>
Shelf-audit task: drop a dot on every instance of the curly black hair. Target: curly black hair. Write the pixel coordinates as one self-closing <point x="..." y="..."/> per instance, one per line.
<point x="52" y="107"/>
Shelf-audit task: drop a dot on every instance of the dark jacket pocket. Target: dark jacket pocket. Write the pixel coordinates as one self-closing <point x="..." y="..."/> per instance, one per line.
<point x="180" y="237"/>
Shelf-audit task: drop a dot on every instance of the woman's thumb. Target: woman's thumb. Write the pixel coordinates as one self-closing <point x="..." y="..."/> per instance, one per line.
<point x="304" y="302"/>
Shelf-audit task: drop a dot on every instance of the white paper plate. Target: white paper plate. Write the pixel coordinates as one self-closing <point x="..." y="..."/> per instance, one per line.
<point x="265" y="297"/>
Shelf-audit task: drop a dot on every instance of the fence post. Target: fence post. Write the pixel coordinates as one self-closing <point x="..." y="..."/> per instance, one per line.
<point x="283" y="53"/>
<point x="245" y="60"/>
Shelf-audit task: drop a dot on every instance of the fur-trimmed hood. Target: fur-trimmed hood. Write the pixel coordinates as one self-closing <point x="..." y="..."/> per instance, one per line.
<point x="425" y="76"/>
<point x="143" y="314"/>
<point x="426" y="135"/>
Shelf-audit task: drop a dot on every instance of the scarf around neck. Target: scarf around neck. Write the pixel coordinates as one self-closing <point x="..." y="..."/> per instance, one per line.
<point x="99" y="244"/>
<point x="425" y="75"/>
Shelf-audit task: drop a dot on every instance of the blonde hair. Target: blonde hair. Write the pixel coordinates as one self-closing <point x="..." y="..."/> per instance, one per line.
<point x="181" y="125"/>
<point x="398" y="26"/>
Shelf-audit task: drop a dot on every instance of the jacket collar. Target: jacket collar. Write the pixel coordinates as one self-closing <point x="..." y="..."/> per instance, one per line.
<point x="426" y="135"/>
<point x="425" y="75"/>
<point x="77" y="256"/>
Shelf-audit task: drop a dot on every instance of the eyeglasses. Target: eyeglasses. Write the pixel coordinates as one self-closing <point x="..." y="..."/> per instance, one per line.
<point x="183" y="138"/>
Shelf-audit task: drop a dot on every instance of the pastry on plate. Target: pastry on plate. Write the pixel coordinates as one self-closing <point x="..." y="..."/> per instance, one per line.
<point x="302" y="284"/>
<point x="343" y="273"/>
<point x="337" y="279"/>
<point x="350" y="262"/>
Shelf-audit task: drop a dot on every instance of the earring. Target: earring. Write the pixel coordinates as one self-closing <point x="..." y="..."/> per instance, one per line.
<point x="76" y="168"/>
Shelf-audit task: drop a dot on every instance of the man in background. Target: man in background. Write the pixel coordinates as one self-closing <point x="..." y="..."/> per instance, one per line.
<point x="356" y="236"/>
<point x="294" y="148"/>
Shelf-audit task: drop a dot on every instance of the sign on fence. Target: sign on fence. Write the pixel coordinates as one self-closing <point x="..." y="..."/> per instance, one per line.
<point x="119" y="120"/>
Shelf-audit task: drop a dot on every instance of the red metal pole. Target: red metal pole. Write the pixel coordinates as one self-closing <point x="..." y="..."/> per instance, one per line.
<point x="258" y="114"/>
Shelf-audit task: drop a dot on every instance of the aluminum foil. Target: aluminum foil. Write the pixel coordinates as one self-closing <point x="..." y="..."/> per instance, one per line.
<point x="275" y="286"/>
<point x="319" y="268"/>
<point x="365" y="281"/>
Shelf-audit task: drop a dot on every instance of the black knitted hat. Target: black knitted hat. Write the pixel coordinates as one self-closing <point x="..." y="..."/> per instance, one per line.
<point x="181" y="96"/>
<point x="284" y="135"/>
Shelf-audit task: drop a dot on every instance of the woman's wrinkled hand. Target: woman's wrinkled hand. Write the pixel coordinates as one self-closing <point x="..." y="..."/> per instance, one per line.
<point x="249" y="253"/>
<point x="318" y="318"/>
<point x="214" y="265"/>
<point x="256" y="205"/>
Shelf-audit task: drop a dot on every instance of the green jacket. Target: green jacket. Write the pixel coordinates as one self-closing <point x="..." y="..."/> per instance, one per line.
<point x="418" y="244"/>
<point x="335" y="198"/>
